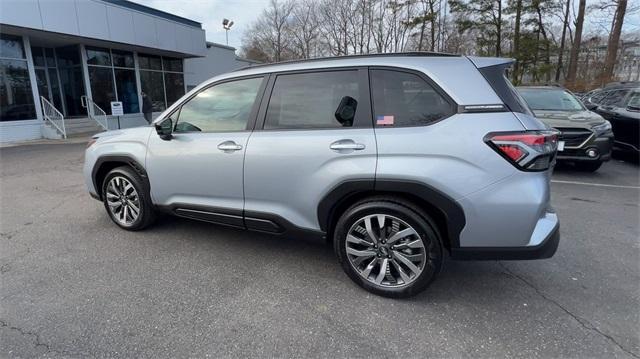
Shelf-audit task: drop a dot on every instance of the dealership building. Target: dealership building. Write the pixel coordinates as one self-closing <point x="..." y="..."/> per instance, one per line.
<point x="63" y="63"/>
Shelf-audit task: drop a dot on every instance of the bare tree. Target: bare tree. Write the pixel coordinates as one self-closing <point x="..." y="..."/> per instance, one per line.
<point x="535" y="32"/>
<point x="614" y="40"/>
<point x="516" y="39"/>
<point x="565" y="24"/>
<point x="304" y="29"/>
<point x="575" y="49"/>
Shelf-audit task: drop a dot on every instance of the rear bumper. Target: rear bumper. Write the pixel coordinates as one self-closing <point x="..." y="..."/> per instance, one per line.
<point x="548" y="229"/>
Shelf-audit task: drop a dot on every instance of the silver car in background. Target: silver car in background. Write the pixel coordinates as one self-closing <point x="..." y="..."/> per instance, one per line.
<point x="398" y="159"/>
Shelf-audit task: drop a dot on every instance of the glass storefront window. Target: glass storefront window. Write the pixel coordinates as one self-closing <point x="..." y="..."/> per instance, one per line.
<point x="170" y="64"/>
<point x="174" y="86"/>
<point x="55" y="88"/>
<point x="127" y="90"/>
<point x="102" y="90"/>
<point x="16" y="98"/>
<point x="98" y="56"/>
<point x="112" y="78"/>
<point x="68" y="55"/>
<point x="152" y="84"/>
<point x="73" y="89"/>
<point x="38" y="56"/>
<point x="122" y="59"/>
<point x="43" y="85"/>
<point x="11" y="47"/>
<point x="161" y="79"/>
<point x="51" y="61"/>
<point x="150" y="62"/>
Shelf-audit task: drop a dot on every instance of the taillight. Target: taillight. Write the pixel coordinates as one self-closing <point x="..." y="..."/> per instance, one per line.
<point x="527" y="150"/>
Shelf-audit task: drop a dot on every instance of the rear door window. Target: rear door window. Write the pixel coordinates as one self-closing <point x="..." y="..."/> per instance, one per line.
<point x="403" y="99"/>
<point x="328" y="99"/>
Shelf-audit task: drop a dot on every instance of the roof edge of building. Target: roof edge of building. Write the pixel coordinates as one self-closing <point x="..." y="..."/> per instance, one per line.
<point x="152" y="11"/>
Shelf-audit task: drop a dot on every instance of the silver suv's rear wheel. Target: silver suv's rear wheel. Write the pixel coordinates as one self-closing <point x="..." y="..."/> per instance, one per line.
<point x="388" y="246"/>
<point x="385" y="250"/>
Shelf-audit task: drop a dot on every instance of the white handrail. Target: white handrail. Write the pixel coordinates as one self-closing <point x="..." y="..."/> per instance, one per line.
<point x="54" y="116"/>
<point x="95" y="112"/>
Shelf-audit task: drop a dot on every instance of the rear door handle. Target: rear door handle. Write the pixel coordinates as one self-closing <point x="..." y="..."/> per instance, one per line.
<point x="346" y="146"/>
<point x="229" y="146"/>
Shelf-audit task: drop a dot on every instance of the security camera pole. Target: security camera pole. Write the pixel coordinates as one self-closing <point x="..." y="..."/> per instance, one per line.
<point x="226" y="25"/>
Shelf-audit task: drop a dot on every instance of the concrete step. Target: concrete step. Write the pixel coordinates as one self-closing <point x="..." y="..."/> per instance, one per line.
<point x="81" y="124"/>
<point x="78" y="120"/>
<point x="86" y="135"/>
<point x="84" y="125"/>
<point x="87" y="130"/>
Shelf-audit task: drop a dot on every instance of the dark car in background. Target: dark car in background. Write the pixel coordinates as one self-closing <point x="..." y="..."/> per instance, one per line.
<point x="619" y="103"/>
<point x="586" y="138"/>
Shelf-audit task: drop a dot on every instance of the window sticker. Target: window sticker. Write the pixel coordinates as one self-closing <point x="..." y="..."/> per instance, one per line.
<point x="385" y="121"/>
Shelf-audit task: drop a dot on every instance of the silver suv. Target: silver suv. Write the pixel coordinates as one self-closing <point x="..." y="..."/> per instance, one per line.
<point x="398" y="160"/>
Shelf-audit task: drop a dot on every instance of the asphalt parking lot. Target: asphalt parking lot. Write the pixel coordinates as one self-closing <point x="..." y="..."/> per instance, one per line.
<point x="72" y="284"/>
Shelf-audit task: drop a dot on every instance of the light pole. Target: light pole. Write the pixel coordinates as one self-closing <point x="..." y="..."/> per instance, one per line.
<point x="226" y="25"/>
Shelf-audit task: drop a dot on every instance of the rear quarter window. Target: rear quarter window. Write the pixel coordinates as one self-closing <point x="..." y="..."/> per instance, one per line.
<point x="402" y="99"/>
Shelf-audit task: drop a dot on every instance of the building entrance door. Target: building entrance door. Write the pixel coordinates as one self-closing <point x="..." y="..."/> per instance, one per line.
<point x="71" y="81"/>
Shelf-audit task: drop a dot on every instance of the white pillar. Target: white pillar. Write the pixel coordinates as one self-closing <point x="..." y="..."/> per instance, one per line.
<point x="85" y="73"/>
<point x="32" y="77"/>
<point x="138" y="83"/>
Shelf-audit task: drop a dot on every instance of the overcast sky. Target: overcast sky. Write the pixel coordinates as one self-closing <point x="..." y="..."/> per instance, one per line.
<point x="211" y="12"/>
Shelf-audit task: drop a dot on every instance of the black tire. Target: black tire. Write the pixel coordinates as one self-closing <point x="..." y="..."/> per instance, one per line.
<point x="588" y="166"/>
<point x="407" y="212"/>
<point x="147" y="213"/>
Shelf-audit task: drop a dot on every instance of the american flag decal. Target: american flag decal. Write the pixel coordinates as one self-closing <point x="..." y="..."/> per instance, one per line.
<point x="384" y="120"/>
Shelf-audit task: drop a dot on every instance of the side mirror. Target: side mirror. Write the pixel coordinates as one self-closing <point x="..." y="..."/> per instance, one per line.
<point x="590" y="106"/>
<point x="346" y="111"/>
<point x="633" y="108"/>
<point x="165" y="129"/>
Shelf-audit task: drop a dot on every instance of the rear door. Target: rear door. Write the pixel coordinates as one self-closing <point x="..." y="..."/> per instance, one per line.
<point x="315" y="131"/>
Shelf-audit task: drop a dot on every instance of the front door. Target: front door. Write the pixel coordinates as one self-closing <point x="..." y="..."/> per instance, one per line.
<point x="317" y="133"/>
<point x="198" y="172"/>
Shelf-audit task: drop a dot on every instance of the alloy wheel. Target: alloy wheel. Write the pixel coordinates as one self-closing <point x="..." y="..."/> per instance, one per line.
<point x="385" y="250"/>
<point x="123" y="200"/>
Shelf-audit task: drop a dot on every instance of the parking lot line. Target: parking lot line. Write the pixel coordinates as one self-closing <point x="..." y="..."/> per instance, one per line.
<point x="595" y="184"/>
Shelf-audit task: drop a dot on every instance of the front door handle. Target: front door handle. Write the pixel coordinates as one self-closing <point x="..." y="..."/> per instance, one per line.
<point x="346" y="146"/>
<point x="229" y="146"/>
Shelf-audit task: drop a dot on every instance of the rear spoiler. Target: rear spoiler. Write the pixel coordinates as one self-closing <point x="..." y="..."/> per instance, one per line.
<point x="482" y="62"/>
<point x="494" y="71"/>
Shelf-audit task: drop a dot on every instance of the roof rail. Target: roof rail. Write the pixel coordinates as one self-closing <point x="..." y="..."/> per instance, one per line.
<point x="385" y="54"/>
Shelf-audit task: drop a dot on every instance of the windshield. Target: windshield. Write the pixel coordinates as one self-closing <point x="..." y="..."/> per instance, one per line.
<point x="551" y="100"/>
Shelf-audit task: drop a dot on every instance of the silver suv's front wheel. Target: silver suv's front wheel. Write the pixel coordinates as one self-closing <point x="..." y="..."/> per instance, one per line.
<point x="126" y="199"/>
<point x="388" y="246"/>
